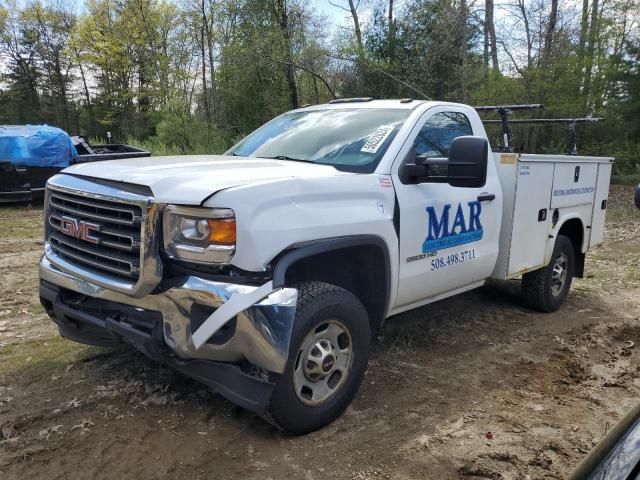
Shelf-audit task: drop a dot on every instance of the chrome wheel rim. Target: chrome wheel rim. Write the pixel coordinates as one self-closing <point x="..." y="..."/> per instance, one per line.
<point x="559" y="273"/>
<point x="323" y="362"/>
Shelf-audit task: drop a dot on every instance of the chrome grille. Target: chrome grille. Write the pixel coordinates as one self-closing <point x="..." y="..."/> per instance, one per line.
<point x="114" y="244"/>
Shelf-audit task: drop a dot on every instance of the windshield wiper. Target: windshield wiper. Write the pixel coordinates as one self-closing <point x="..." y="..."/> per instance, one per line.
<point x="287" y="157"/>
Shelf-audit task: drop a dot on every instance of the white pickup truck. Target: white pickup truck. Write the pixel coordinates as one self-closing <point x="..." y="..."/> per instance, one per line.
<point x="264" y="272"/>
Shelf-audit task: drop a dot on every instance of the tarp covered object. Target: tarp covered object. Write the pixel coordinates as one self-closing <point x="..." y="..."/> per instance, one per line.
<point x="36" y="146"/>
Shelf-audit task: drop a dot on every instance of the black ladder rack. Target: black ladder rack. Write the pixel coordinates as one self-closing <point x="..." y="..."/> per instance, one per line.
<point x="505" y="121"/>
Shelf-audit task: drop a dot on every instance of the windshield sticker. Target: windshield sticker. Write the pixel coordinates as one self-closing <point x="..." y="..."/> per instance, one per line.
<point x="377" y="138"/>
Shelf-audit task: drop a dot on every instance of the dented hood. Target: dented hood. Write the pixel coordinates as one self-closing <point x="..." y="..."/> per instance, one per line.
<point x="191" y="179"/>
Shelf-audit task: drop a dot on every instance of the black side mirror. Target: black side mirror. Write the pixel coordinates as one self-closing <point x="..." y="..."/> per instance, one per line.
<point x="468" y="162"/>
<point x="465" y="167"/>
<point x="411" y="171"/>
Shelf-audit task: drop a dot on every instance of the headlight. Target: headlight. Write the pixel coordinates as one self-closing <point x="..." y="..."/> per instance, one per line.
<point x="201" y="235"/>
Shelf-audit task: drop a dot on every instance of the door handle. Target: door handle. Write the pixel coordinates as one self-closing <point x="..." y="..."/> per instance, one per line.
<point x="486" y="197"/>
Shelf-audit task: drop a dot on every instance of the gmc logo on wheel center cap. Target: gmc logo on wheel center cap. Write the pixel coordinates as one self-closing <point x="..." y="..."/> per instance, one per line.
<point x="79" y="229"/>
<point x="328" y="362"/>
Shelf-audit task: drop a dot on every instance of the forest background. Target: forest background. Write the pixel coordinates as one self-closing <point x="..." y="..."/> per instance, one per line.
<point x="194" y="76"/>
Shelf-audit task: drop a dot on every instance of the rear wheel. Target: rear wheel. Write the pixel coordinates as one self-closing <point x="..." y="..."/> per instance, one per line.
<point x="547" y="288"/>
<point x="328" y="356"/>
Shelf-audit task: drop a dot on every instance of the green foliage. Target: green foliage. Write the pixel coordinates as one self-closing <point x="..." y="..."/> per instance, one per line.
<point x="185" y="135"/>
<point x="194" y="77"/>
<point x="625" y="179"/>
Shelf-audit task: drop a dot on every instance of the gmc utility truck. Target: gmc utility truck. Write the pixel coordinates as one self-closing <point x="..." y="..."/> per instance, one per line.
<point x="264" y="272"/>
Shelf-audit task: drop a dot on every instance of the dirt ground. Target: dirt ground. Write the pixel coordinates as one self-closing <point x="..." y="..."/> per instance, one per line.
<point x="472" y="387"/>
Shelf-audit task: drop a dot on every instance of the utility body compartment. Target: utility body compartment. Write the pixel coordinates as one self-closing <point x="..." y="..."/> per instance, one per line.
<point x="541" y="193"/>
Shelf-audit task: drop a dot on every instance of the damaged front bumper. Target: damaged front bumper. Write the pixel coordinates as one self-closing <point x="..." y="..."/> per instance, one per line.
<point x="197" y="321"/>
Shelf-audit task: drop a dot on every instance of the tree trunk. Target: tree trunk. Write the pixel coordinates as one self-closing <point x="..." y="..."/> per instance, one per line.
<point x="551" y="29"/>
<point x="485" y="43"/>
<point x="212" y="84"/>
<point x="290" y="73"/>
<point x="356" y="26"/>
<point x="62" y="88"/>
<point x="527" y="31"/>
<point x="491" y="32"/>
<point x="593" y="34"/>
<point x="464" y="49"/>
<point x="584" y="25"/>
<point x="205" y="91"/>
<point x="85" y="87"/>
<point x="316" y="94"/>
<point x="390" y="32"/>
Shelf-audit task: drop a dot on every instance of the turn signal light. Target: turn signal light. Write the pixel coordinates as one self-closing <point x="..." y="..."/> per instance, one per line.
<point x="222" y="231"/>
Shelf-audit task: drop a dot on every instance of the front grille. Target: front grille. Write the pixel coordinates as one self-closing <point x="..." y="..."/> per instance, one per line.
<point x="111" y="240"/>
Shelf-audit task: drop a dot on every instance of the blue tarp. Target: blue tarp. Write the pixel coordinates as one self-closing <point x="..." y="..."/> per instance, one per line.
<point x="36" y="146"/>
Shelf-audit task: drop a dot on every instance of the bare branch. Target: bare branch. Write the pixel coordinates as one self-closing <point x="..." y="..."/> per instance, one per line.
<point x="515" y="65"/>
<point x="339" y="6"/>
<point x="308" y="70"/>
<point x="387" y="74"/>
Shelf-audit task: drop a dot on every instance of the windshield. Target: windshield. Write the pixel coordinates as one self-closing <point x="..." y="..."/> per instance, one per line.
<point x="349" y="139"/>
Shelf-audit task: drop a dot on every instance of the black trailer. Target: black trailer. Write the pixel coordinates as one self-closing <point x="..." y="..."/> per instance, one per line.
<point x="25" y="181"/>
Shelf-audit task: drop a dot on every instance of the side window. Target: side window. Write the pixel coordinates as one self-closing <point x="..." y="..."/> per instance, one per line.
<point x="438" y="132"/>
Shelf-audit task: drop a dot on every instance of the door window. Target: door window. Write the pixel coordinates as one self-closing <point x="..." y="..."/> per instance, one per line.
<point x="437" y="133"/>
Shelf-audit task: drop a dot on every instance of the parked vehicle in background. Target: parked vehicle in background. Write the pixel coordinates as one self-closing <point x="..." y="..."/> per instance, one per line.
<point x="617" y="455"/>
<point x="636" y="196"/>
<point x="31" y="154"/>
<point x="265" y="272"/>
<point x="88" y="152"/>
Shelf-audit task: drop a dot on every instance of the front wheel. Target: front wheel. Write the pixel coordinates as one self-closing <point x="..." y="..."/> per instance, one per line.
<point x="547" y="288"/>
<point x="328" y="356"/>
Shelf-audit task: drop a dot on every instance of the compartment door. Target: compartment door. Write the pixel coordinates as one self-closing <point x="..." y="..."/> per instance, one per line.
<point x="600" y="204"/>
<point x="573" y="184"/>
<point x="531" y="217"/>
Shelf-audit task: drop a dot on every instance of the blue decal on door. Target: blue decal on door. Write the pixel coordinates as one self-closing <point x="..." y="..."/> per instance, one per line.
<point x="465" y="227"/>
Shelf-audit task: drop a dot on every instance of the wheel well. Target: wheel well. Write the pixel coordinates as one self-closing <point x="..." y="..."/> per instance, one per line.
<point x="574" y="229"/>
<point x="362" y="270"/>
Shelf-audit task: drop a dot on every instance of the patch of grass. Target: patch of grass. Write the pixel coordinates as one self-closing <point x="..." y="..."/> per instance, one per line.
<point x="623" y="213"/>
<point x="20" y="221"/>
<point x="633" y="274"/>
<point x="36" y="309"/>
<point x="633" y="179"/>
<point x="34" y="359"/>
<point x="621" y="207"/>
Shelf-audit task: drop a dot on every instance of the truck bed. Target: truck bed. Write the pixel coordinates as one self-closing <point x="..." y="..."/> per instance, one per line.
<point x="23" y="184"/>
<point x="541" y="192"/>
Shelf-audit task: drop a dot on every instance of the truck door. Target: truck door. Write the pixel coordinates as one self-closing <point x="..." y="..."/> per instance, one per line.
<point x="448" y="235"/>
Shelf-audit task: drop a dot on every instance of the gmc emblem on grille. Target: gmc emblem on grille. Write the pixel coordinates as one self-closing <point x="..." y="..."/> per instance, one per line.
<point x="79" y="229"/>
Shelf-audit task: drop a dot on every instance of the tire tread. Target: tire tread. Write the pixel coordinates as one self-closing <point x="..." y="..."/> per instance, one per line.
<point x="536" y="285"/>
<point x="284" y="416"/>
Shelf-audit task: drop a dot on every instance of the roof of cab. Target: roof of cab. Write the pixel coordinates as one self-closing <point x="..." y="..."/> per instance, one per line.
<point x="357" y="103"/>
<point x="390" y="104"/>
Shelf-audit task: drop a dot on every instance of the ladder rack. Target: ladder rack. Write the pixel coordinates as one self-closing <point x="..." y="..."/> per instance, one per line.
<point x="505" y="121"/>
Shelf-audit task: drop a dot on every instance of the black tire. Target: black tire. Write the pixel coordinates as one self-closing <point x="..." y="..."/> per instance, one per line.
<point x="538" y="287"/>
<point x="317" y="303"/>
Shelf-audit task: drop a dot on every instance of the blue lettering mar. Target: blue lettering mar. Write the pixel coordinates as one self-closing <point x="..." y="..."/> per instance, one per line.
<point x="466" y="227"/>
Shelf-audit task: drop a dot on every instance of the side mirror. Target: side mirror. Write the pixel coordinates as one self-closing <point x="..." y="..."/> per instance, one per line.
<point x="411" y="171"/>
<point x="468" y="162"/>
<point x="465" y="167"/>
<point x="636" y="196"/>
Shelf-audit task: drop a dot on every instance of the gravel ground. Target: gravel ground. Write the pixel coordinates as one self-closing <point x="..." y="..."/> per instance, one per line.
<point x="476" y="386"/>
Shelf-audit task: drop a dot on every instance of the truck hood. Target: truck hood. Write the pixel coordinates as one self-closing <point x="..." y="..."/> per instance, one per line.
<point x="191" y="179"/>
